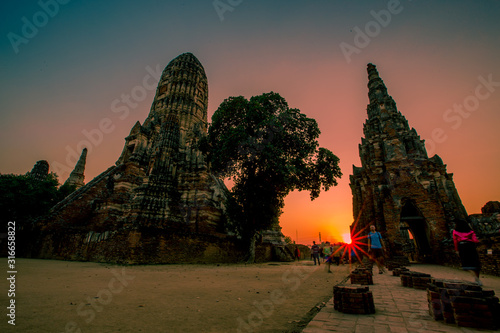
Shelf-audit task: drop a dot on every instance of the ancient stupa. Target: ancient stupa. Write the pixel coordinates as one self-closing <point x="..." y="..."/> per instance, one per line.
<point x="410" y="197"/>
<point x="159" y="203"/>
<point x="77" y="176"/>
<point x="40" y="170"/>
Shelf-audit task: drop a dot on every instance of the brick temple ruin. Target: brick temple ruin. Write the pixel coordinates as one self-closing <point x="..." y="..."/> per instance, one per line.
<point x="159" y="203"/>
<point x="410" y="197"/>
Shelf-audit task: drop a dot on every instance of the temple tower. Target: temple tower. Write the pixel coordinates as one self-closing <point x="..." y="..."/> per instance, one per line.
<point x="166" y="146"/>
<point x="409" y="197"/>
<point x="161" y="185"/>
<point x="77" y="176"/>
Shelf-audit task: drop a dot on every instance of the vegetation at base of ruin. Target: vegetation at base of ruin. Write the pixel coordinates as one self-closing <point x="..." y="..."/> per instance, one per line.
<point x="268" y="150"/>
<point x="65" y="190"/>
<point x="24" y="199"/>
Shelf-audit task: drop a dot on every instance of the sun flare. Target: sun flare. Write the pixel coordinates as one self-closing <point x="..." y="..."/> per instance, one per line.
<point x="346" y="238"/>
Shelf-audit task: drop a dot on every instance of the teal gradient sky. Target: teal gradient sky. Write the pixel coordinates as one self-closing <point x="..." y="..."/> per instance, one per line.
<point x="431" y="56"/>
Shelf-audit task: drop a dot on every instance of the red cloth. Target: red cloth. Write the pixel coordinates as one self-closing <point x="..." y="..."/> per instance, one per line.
<point x="464" y="237"/>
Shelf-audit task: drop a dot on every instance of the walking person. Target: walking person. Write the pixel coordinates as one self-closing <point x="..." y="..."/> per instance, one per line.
<point x="297" y="253"/>
<point x="327" y="249"/>
<point x="465" y="241"/>
<point x="315" y="252"/>
<point x="376" y="248"/>
<point x="337" y="253"/>
<point x="328" y="261"/>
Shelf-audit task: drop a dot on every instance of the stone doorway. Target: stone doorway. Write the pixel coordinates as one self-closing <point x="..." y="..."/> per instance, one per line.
<point x="415" y="233"/>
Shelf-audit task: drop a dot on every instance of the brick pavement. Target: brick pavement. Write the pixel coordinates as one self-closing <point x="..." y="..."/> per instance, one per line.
<point x="398" y="309"/>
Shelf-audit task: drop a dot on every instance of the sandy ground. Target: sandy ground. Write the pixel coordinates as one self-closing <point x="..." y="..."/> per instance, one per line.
<point x="64" y="296"/>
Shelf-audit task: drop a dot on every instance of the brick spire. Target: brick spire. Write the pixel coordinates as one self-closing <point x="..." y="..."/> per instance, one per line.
<point x="380" y="101"/>
<point x="77" y="175"/>
<point x="386" y="127"/>
<point x="377" y="89"/>
<point x="182" y="91"/>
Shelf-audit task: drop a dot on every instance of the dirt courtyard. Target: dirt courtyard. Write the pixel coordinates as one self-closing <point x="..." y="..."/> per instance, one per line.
<point x="65" y="296"/>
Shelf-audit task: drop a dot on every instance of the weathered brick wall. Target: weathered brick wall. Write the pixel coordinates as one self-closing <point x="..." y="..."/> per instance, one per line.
<point x="138" y="247"/>
<point x="384" y="208"/>
<point x="489" y="254"/>
<point x="134" y="247"/>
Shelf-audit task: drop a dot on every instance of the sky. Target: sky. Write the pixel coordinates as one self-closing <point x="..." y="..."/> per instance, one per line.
<point x="66" y="65"/>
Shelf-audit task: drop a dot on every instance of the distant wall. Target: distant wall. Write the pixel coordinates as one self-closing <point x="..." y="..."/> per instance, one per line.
<point x="305" y="251"/>
<point x="489" y="254"/>
<point x="135" y="247"/>
<point x="487" y="228"/>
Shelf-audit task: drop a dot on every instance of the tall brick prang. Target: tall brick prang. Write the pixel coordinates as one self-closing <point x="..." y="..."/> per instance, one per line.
<point x="159" y="199"/>
<point x="77" y="176"/>
<point x="410" y="197"/>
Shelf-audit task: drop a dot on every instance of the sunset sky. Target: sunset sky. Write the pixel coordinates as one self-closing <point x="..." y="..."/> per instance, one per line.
<point x="64" y="66"/>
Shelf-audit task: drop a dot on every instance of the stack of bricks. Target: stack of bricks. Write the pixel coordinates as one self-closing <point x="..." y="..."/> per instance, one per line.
<point x="421" y="280"/>
<point x="406" y="280"/>
<point x="392" y="266"/>
<point x="362" y="275"/>
<point x="415" y="280"/>
<point x="354" y="299"/>
<point x="464" y="304"/>
<point x="398" y="271"/>
<point x="397" y="262"/>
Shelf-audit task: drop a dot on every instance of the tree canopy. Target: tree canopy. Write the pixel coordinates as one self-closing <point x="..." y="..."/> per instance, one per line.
<point x="268" y="150"/>
<point x="23" y="199"/>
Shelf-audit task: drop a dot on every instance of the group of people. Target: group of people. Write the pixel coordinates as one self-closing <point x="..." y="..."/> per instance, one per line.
<point x="331" y="254"/>
<point x="464" y="239"/>
<point x="328" y="253"/>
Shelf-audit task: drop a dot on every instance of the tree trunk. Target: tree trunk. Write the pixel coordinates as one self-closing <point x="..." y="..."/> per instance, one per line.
<point x="251" y="249"/>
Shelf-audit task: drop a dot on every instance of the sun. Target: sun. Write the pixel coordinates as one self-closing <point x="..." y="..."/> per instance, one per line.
<point x="346" y="238"/>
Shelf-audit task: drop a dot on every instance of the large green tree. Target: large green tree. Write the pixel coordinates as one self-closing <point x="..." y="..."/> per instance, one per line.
<point x="24" y="199"/>
<point x="268" y="150"/>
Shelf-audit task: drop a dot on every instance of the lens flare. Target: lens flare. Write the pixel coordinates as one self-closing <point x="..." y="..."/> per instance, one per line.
<point x="354" y="247"/>
<point x="347" y="238"/>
